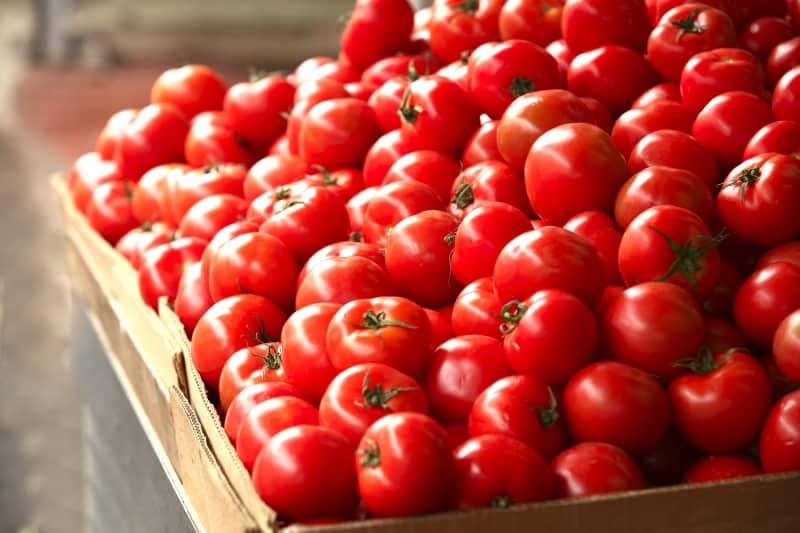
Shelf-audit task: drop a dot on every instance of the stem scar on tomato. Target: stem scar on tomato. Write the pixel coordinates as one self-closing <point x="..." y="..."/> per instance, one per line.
<point x="521" y="85"/>
<point x="511" y="313"/>
<point x="370" y="455"/>
<point x="548" y="415"/>
<point x="688" y="24"/>
<point x="408" y="112"/>
<point x="463" y="195"/>
<point x="469" y="7"/>
<point x="376" y="396"/>
<point x="744" y="180"/>
<point x="704" y="363"/>
<point x="688" y="256"/>
<point x="500" y="502"/>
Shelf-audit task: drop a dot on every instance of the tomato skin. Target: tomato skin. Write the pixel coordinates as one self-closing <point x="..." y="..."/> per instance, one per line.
<point x="549" y="258"/>
<point x="669" y="92"/>
<point x="721" y="410"/>
<point x="459" y="370"/>
<point x="617" y="404"/>
<point x="634" y="124"/>
<point x="781" y="136"/>
<point x="498" y="471"/>
<point x="728" y="122"/>
<point x="429" y="167"/>
<point x="601" y="230"/>
<point x="108" y="140"/>
<point x="455" y="29"/>
<point x="782" y="59"/>
<point x="573" y="168"/>
<point x="376" y="29"/>
<point x="248" y="398"/>
<point x="762" y="35"/>
<point x="404" y="466"/>
<point x="137" y="241"/>
<point x="398" y="65"/>
<point x="593" y="23"/>
<point x="229" y="325"/>
<point x="185" y="189"/>
<point x="675" y="149"/>
<point x="441" y="326"/>
<point x="254" y="108"/>
<point x="721" y="467"/>
<point x="563" y="55"/>
<point x="395" y="202"/>
<point x="482" y="145"/>
<point x="538" y="22"/>
<point x="477" y="310"/>
<point x="382" y="155"/>
<point x="386" y="100"/>
<point x="192" y="299"/>
<point x="456" y="71"/>
<point x="785" y="103"/>
<point x="722" y="336"/>
<point x="205" y="218"/>
<point x="591" y="468"/>
<point x="109" y="210"/>
<point x="245" y="367"/>
<point x="489" y="181"/>
<point x="778" y="445"/>
<point x="272" y="172"/>
<point x="360" y="395"/>
<point x="162" y="268"/>
<point x="86" y="174"/>
<point x="500" y="72"/>
<point x="652" y="325"/>
<point x="305" y="472"/>
<point x="154" y="137"/>
<point x="786" y="346"/>
<point x="709" y="74"/>
<point x="150" y="194"/>
<point x="342" y="279"/>
<point x="309" y="94"/>
<point x="523" y="408"/>
<point x="223" y="236"/>
<point x="192" y="89"/>
<point x="211" y="140"/>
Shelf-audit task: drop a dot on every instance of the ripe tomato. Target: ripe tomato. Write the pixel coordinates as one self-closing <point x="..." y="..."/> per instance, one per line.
<point x="587" y="24"/>
<point x="256" y="108"/>
<point x="709" y="74"/>
<point x="573" y="168"/>
<point x="658" y="93"/>
<point x="722" y="336"/>
<point x="538" y="21"/>
<point x="779" y="444"/>
<point x="305" y="472"/>
<point x="363" y="394"/>
<point x="762" y="35"/>
<point x="721" y="405"/>
<point x="785" y="103"/>
<point x="272" y="172"/>
<point x="783" y="58"/>
<point x="250" y="365"/>
<point x="684" y="31"/>
<point x="429" y="167"/>
<point x="192" y="299"/>
<point x="376" y="29"/>
<point x="387" y="99"/>
<point x="248" y="398"/>
<point x="677" y="150"/>
<point x="617" y="404"/>
<point x="192" y="89"/>
<point x="441" y="327"/>
<point x="109" y="210"/>
<point x="456" y="71"/>
<point x="477" y="310"/>
<point x="523" y="408"/>
<point x="720" y="303"/>
<point x="489" y="181"/>
<point x="395" y="202"/>
<point x="498" y="471"/>
<point x="459" y="370"/>
<point x="345" y="182"/>
<point x="163" y="266"/>
<point x="634" y="124"/>
<point x="212" y="141"/>
<point x="155" y="136"/>
<point x="398" y="65"/>
<point x="108" y="140"/>
<point x="781" y="136"/>
<point x="188" y="188"/>
<point x="549" y="258"/>
<point x="404" y="466"/>
<point x="150" y="194"/>
<point x="387" y="149"/>
<point x="564" y="56"/>
<point x="137" y="241"/>
<point x="457" y="26"/>
<point x="342" y="279"/>
<point x="482" y="146"/>
<point x="86" y="174"/>
<point x="501" y="72"/>
<point x="720" y="467"/>
<point x="205" y="218"/>
<point x="786" y="346"/>
<point x="223" y="236"/>
<point x="601" y="230"/>
<point x="343" y="249"/>
<point x="591" y="468"/>
<point x="651" y="326"/>
<point x="309" y="94"/>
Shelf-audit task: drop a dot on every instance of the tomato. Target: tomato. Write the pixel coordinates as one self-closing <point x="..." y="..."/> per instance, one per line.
<point x="477" y="310"/>
<point x="779" y="444"/>
<point x="343" y="249"/>
<point x="721" y="405"/>
<point x="264" y="206"/>
<point x="86" y="174"/>
<point x="459" y="370"/>
<point x="709" y="74"/>
<point x="309" y="94"/>
<point x="549" y="258"/>
<point x="272" y="172"/>
<point x="387" y="99"/>
<point x="456" y="71"/>
<point x="728" y="122"/>
<point x="657" y="93"/>
<point x="634" y="124"/>
<point x="109" y="210"/>
<point x="457" y="26"/>
<point x="390" y="330"/>
<point x="720" y="303"/>
<point x="376" y="29"/>
<point x="592" y="468"/>
<point x="599" y="74"/>
<point x="280" y="146"/>
<point x="229" y="325"/>
<point x="395" y="202"/>
<point x="109" y="138"/>
<point x="192" y="299"/>
<point x="617" y="404"/>
<point x="722" y="336"/>
<point x="489" y="181"/>
<point x="404" y="466"/>
<point x="563" y="55"/>
<point x="651" y="326"/>
<point x="256" y="108"/>
<point x="538" y="21"/>
<point x="363" y="394"/>
<point x="501" y="72"/>
<point x="721" y="467"/>
<point x="677" y="150"/>
<point x="531" y="115"/>
<point x="205" y="218"/>
<point x="250" y="365"/>
<point x="342" y="279"/>
<point x="667" y="463"/>
<point x="523" y="408"/>
<point x="759" y="199"/>
<point x="308" y="69"/>
<point x="783" y="58"/>
<point x="601" y="230"/>
<point x="482" y="145"/>
<point x="150" y="194"/>
<point x="429" y="167"/>
<point x="398" y="65"/>
<point x="785" y="103"/>
<point x="194" y="185"/>
<point x="163" y="266"/>
<point x="762" y="35"/>
<point x="137" y="241"/>
<point x="387" y="149"/>
<point x="587" y="24"/>
<point x="338" y="133"/>
<point x="498" y="471"/>
<point x="223" y="236"/>
<point x="192" y="89"/>
<point x="309" y="221"/>
<point x="441" y="327"/>
<point x="345" y="182"/>
<point x="786" y="346"/>
<point x="212" y="141"/>
<point x="684" y="31"/>
<point x="782" y="136"/>
<point x="248" y="398"/>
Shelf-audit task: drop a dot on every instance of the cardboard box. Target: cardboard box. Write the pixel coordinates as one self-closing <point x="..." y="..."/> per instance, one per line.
<point x="152" y="357"/>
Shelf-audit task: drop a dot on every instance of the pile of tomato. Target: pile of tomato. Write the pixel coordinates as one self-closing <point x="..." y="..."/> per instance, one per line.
<point x="496" y="252"/>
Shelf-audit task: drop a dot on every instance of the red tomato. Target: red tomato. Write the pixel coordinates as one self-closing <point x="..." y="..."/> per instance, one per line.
<point x="477" y="310"/>
<point x="564" y="56"/>
<point x="785" y="103"/>
<point x="786" y="346"/>
<point x="709" y="74"/>
<point x="280" y="146"/>
<point x="616" y="404"/>
<point x="109" y="210"/>
<point x="223" y="236"/>
<point x="398" y="65"/>
<point x="137" y="241"/>
<point x="250" y="365"/>
<point x="205" y="218"/>
<point x="658" y="93"/>
<point x="256" y="109"/>
<point x="721" y="405"/>
<point x="86" y="174"/>
<point x="441" y="327"/>
<point x="599" y="115"/>
<point x="387" y="99"/>
<point x="549" y="258"/>
<point x="489" y="181"/>
<point x="784" y="57"/>
<point x="782" y="136"/>
<point x="273" y="172"/>
<point x="376" y="29"/>
<point x="212" y="141"/>
<point x="192" y="299"/>
<point x="720" y="303"/>
<point x="523" y="408"/>
<point x="418" y="257"/>
<point x="363" y="394"/>
<point x="343" y="249"/>
<point x="794" y="13"/>
<point x="498" y="471"/>
<point x="264" y="206"/>
<point x="383" y="154"/>
<point x="601" y="230"/>
<point x="342" y="279"/>
<point x="429" y="167"/>
<point x="573" y="168"/>
<point x="677" y="150"/>
<point x="458" y="26"/>
<point x="651" y="326"/>
<point x="634" y="124"/>
<point x="728" y="122"/>
<point x="109" y="138"/>
<point x="309" y="94"/>
<point x="190" y="187"/>
<point x="163" y="266"/>
<point x="538" y="21"/>
<point x="721" y="467"/>
<point x="192" y="89"/>
<point x="395" y="202"/>
<point x="456" y="71"/>
<point x="307" y="471"/>
<point x="684" y="31"/>
<point x="591" y="468"/>
<point x="345" y="182"/>
<point x="150" y="194"/>
<point x="762" y="35"/>
<point x="587" y="24"/>
<point x="251" y="396"/>
<point x="599" y="74"/>
<point x="404" y="466"/>
<point x="722" y="336"/>
<point x="779" y="446"/>
<point x="154" y="137"/>
<point x="482" y="146"/>
<point x="459" y="370"/>
<point x="788" y="252"/>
